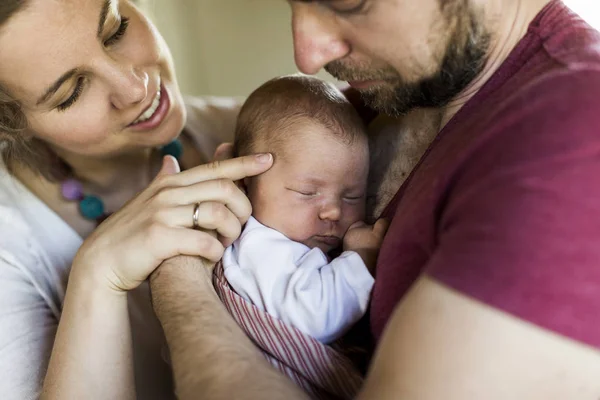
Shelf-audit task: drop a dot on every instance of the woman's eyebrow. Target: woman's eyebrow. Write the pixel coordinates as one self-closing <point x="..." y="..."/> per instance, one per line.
<point x="56" y="85"/>
<point x="69" y="74"/>
<point x="103" y="15"/>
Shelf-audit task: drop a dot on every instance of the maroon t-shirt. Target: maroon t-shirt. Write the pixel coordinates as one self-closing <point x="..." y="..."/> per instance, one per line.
<point x="505" y="204"/>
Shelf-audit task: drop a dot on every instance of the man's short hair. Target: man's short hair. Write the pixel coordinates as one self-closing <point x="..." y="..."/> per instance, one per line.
<point x="272" y="108"/>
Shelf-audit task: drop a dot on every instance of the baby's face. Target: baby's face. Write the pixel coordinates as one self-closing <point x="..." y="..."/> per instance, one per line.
<point x="316" y="188"/>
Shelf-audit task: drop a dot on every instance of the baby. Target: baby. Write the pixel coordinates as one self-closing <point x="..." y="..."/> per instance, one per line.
<point x="310" y="203"/>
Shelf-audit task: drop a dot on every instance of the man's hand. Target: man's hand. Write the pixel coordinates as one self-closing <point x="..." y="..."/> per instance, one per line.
<point x="366" y="241"/>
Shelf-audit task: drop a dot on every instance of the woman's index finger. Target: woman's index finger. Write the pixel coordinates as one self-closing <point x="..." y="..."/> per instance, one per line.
<point x="234" y="169"/>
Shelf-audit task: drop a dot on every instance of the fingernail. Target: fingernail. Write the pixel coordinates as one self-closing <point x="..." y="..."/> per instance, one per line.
<point x="263" y="158"/>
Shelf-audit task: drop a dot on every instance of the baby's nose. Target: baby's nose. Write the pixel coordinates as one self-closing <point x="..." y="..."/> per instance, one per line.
<point x="331" y="212"/>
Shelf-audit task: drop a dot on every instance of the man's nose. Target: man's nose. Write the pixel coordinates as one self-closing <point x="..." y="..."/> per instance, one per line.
<point x="317" y="39"/>
<point x="130" y="86"/>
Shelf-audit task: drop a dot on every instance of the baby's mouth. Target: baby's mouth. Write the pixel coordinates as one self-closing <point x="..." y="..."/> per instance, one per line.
<point x="329" y="240"/>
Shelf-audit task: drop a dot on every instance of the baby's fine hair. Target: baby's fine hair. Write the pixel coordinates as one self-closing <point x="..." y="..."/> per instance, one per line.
<point x="272" y="108"/>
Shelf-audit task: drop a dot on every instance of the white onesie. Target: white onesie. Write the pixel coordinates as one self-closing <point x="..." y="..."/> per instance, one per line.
<point x="297" y="284"/>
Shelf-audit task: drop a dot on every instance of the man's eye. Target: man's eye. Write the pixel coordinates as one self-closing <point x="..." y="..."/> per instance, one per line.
<point x="74" y="96"/>
<point x="118" y="34"/>
<point x="347" y="7"/>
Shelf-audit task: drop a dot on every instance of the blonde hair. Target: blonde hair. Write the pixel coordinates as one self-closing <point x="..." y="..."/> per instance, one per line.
<point x="15" y="145"/>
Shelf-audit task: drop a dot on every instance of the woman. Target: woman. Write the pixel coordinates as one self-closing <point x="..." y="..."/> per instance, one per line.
<point x="87" y="96"/>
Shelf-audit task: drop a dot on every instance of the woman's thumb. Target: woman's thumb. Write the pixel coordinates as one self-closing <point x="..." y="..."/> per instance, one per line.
<point x="170" y="166"/>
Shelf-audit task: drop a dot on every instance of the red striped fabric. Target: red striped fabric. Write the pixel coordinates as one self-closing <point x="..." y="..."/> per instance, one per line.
<point x="321" y="371"/>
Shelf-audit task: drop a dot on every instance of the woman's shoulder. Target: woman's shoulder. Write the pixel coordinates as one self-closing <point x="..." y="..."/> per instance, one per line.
<point x="27" y="271"/>
<point x="34" y="248"/>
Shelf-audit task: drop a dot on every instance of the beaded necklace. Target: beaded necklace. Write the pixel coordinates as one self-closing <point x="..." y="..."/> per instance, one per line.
<point x="92" y="207"/>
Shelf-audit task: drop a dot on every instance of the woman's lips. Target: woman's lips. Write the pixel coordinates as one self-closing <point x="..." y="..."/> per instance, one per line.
<point x="159" y="115"/>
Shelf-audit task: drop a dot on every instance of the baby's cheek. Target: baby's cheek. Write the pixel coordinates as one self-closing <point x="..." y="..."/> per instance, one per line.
<point x="355" y="213"/>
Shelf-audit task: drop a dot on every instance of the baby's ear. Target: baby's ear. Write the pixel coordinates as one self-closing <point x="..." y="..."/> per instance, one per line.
<point x="223" y="152"/>
<point x="244" y="184"/>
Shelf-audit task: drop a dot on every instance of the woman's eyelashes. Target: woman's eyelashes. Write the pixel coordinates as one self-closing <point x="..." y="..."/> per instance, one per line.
<point x="112" y="40"/>
<point x="74" y="96"/>
<point x="118" y="35"/>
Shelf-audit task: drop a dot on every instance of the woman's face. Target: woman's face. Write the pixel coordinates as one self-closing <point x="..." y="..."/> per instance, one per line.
<point x="94" y="77"/>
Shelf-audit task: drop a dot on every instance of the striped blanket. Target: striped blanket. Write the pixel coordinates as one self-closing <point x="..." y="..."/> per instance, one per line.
<point x="321" y="371"/>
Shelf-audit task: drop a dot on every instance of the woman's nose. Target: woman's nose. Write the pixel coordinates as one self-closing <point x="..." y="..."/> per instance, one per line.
<point x="130" y="86"/>
<point x="317" y="40"/>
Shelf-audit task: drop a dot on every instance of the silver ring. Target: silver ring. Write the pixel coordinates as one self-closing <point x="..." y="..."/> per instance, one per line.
<point x="195" y="216"/>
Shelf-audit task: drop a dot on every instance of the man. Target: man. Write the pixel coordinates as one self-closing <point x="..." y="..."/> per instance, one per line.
<point x="488" y="282"/>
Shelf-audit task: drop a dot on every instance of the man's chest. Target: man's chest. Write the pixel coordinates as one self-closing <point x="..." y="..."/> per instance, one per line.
<point x="396" y="146"/>
<point x="413" y="193"/>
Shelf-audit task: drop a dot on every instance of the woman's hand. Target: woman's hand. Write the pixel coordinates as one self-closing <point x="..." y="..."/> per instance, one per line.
<point x="158" y="223"/>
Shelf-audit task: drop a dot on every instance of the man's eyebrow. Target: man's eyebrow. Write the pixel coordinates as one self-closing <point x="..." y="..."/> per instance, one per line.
<point x="103" y="15"/>
<point x="52" y="89"/>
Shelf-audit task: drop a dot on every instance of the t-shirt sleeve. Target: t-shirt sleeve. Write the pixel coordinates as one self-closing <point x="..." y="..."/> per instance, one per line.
<point x="27" y="330"/>
<point x="520" y="224"/>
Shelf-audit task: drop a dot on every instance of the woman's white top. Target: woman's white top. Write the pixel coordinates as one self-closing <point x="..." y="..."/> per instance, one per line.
<point x="36" y="251"/>
<point x="297" y="284"/>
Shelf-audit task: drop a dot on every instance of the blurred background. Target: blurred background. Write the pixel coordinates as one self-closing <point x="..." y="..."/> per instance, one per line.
<point x="230" y="47"/>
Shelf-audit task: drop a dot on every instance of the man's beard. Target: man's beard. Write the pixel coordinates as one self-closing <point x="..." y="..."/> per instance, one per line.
<point x="464" y="58"/>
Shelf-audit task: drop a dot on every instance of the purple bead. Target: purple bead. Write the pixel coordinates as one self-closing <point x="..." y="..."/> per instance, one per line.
<point x="71" y="189"/>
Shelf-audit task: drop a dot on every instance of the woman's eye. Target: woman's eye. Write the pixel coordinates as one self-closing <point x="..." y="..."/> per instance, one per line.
<point x="74" y="96"/>
<point x="347" y="7"/>
<point x="118" y="34"/>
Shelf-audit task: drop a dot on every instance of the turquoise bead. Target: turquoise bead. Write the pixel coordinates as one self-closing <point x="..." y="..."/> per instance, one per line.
<point x="91" y="207"/>
<point x="175" y="149"/>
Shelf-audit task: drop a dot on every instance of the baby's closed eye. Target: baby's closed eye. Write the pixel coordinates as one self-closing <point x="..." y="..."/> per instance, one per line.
<point x="304" y="192"/>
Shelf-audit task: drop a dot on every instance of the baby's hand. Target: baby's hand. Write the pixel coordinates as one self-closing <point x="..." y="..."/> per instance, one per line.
<point x="366" y="241"/>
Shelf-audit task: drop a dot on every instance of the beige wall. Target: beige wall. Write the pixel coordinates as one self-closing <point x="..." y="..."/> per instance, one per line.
<point x="226" y="47"/>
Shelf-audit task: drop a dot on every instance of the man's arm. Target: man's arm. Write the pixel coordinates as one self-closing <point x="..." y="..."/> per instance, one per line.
<point x="211" y="356"/>
<point x="438" y="344"/>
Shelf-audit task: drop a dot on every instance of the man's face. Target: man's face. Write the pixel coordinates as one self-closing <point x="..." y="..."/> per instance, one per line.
<point x="400" y="54"/>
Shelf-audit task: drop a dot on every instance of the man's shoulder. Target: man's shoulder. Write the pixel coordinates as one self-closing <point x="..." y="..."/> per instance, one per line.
<point x="557" y="62"/>
<point x="566" y="98"/>
<point x="567" y="39"/>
